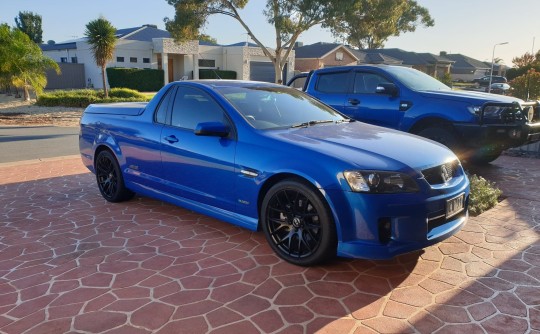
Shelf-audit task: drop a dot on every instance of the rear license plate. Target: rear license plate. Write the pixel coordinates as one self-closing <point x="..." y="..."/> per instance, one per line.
<point x="454" y="205"/>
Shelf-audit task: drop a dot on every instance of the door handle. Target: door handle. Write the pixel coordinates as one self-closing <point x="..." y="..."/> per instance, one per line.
<point x="171" y="139"/>
<point x="354" y="102"/>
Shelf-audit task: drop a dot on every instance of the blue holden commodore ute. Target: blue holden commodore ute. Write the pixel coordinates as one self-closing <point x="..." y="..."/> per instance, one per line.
<point x="269" y="157"/>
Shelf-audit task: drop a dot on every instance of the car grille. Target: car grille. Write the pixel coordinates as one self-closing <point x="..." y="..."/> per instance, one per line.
<point x="441" y="174"/>
<point x="507" y="113"/>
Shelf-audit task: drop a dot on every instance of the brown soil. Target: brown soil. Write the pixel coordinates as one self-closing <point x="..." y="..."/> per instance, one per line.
<point x="15" y="111"/>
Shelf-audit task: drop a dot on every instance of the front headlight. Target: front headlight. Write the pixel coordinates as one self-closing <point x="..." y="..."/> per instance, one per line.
<point x="475" y="110"/>
<point x="380" y="182"/>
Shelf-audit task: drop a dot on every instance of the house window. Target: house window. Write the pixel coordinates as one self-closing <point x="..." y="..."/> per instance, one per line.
<point x="119" y="59"/>
<point x="207" y="63"/>
<point x="132" y="59"/>
<point x="339" y="56"/>
<point x="63" y="59"/>
<point x="74" y="60"/>
<point x="146" y="60"/>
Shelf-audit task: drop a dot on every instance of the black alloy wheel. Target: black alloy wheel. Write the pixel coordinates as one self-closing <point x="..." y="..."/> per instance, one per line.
<point x="297" y="223"/>
<point x="109" y="178"/>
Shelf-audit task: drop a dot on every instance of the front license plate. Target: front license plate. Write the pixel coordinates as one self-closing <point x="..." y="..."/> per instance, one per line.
<point x="454" y="205"/>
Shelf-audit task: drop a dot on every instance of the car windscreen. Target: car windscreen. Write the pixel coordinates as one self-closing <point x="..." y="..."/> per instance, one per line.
<point x="266" y="107"/>
<point x="417" y="80"/>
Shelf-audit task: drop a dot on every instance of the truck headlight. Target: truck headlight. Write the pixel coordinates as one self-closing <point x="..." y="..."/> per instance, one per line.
<point x="475" y="110"/>
<point x="380" y="182"/>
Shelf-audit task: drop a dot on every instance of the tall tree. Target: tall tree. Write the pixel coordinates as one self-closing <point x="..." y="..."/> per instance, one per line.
<point x="290" y="18"/>
<point x="30" y="24"/>
<point x="101" y="36"/>
<point x="369" y="23"/>
<point x="526" y="60"/>
<point x="23" y="64"/>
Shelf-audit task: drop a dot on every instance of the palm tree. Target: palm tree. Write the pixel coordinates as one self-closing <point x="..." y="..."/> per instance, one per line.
<point x="23" y="62"/>
<point x="102" y="39"/>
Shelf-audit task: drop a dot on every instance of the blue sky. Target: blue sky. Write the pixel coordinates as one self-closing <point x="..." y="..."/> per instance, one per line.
<point x="470" y="27"/>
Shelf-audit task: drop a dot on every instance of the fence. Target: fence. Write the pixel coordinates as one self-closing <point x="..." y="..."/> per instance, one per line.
<point x="72" y="76"/>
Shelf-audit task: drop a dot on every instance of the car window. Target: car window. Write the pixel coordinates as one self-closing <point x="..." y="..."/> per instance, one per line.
<point x="277" y="107"/>
<point x="332" y="82"/>
<point x="193" y="106"/>
<point x="366" y="83"/>
<point x="160" y="115"/>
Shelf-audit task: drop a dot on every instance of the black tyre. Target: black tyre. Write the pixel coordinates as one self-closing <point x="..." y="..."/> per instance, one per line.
<point x="441" y="134"/>
<point x="109" y="178"/>
<point x="297" y="223"/>
<point x="484" y="156"/>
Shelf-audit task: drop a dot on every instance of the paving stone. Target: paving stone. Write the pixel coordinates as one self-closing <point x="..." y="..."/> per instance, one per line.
<point x="99" y="322"/>
<point x="296" y="314"/>
<point x="482" y="310"/>
<point x="508" y="323"/>
<point x="152" y="316"/>
<point x="508" y="303"/>
<point x="69" y="258"/>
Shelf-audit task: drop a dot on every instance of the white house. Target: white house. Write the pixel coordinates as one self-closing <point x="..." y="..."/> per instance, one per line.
<point x="149" y="47"/>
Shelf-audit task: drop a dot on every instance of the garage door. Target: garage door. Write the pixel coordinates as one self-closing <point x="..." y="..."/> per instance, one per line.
<point x="261" y="71"/>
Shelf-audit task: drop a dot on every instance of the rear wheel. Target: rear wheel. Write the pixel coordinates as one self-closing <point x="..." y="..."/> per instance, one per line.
<point x="297" y="223"/>
<point x="109" y="178"/>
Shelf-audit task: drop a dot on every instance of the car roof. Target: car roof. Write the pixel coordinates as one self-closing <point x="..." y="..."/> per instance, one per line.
<point x="215" y="83"/>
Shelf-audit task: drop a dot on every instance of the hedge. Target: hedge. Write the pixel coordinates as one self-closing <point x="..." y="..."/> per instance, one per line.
<point x="213" y="74"/>
<point x="81" y="98"/>
<point x="143" y="80"/>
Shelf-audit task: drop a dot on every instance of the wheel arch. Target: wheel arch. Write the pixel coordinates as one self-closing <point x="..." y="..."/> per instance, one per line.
<point x="100" y="148"/>
<point x="429" y="122"/>
<point x="275" y="179"/>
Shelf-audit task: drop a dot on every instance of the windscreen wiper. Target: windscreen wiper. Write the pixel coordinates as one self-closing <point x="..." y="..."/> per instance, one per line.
<point x="346" y="120"/>
<point x="310" y="123"/>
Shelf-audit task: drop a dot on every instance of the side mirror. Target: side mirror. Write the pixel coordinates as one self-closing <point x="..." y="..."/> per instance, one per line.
<point x="212" y="129"/>
<point x="387" y="88"/>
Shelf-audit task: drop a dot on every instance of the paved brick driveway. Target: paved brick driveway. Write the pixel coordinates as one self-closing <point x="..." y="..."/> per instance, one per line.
<point x="70" y="262"/>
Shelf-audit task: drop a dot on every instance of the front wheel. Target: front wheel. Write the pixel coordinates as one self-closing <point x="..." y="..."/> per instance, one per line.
<point x="484" y="156"/>
<point x="109" y="178"/>
<point x="297" y="223"/>
<point x="440" y="134"/>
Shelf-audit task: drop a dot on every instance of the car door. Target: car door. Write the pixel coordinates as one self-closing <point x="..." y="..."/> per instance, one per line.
<point x="198" y="168"/>
<point x="140" y="143"/>
<point x="366" y="105"/>
<point x="332" y="88"/>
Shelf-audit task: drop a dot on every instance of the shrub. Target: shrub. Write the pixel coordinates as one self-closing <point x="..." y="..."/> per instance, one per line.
<point x="446" y="79"/>
<point x="216" y="74"/>
<point x="142" y="80"/>
<point x="527" y="83"/>
<point x="484" y="195"/>
<point x="81" y="98"/>
<point x="125" y="93"/>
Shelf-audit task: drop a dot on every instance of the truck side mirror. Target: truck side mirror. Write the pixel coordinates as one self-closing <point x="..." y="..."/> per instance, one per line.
<point x="387" y="88"/>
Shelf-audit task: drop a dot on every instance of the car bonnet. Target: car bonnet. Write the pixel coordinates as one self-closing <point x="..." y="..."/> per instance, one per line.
<point x="369" y="147"/>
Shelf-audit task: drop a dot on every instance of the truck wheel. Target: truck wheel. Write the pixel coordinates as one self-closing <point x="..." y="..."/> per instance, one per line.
<point x="109" y="178"/>
<point x="440" y="134"/>
<point x="298" y="224"/>
<point x="484" y="156"/>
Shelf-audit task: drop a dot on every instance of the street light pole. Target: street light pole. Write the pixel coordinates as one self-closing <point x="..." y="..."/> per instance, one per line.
<point x="492" y="59"/>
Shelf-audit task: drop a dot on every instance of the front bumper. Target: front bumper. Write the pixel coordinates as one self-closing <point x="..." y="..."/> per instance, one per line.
<point x="381" y="226"/>
<point x="501" y="136"/>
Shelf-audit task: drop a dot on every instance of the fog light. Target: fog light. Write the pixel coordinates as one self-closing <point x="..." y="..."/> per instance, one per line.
<point x="515" y="134"/>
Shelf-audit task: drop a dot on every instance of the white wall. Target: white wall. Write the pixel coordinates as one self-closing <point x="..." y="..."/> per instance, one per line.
<point x="124" y="48"/>
<point x="137" y="49"/>
<point x="233" y="60"/>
